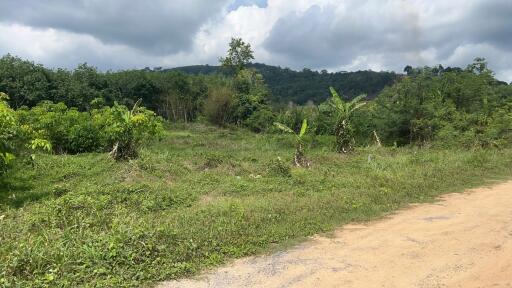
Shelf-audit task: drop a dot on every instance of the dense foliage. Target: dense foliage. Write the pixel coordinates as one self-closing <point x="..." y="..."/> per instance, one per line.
<point x="90" y="221"/>
<point x="16" y="138"/>
<point x="458" y="107"/>
<point x="103" y="129"/>
<point x="430" y="106"/>
<point x="242" y="99"/>
<point x="173" y="95"/>
<point x="8" y="130"/>
<point x="304" y="86"/>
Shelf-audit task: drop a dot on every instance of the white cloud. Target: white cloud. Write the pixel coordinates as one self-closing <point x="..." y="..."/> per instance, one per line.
<point x="319" y="34"/>
<point x="58" y="48"/>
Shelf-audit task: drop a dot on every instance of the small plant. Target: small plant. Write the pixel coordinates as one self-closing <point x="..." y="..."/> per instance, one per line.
<point x="277" y="167"/>
<point x="212" y="162"/>
<point x="39" y="144"/>
<point x="130" y="129"/>
<point x="299" y="159"/>
<point x="343" y="130"/>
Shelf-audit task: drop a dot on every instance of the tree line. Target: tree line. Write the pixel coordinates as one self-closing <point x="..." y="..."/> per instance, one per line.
<point x="84" y="110"/>
<point x="300" y="87"/>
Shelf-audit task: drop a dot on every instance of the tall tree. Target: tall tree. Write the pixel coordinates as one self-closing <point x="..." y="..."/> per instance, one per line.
<point x="239" y="55"/>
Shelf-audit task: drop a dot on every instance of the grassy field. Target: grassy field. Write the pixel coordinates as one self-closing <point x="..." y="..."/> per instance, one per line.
<point x="203" y="196"/>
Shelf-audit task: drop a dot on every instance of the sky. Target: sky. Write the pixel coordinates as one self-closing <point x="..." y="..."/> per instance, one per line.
<point x="335" y="35"/>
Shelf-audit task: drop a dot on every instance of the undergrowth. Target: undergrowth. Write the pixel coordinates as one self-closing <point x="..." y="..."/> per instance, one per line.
<point x="204" y="196"/>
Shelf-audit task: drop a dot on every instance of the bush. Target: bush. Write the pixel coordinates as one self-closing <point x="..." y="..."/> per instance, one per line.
<point x="260" y="120"/>
<point x="71" y="131"/>
<point x="325" y="121"/>
<point x="218" y="105"/>
<point x="8" y="132"/>
<point x="446" y="107"/>
<point x="128" y="130"/>
<point x="278" y="167"/>
<point x="293" y="117"/>
<point x="15" y="138"/>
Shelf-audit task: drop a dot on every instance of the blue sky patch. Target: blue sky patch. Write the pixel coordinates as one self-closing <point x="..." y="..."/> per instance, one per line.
<point x="239" y="3"/>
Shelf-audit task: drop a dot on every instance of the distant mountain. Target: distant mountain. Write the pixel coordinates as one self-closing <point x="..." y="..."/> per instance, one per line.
<point x="308" y="85"/>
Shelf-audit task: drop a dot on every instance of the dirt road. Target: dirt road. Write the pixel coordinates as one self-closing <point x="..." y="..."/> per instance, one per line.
<point x="465" y="240"/>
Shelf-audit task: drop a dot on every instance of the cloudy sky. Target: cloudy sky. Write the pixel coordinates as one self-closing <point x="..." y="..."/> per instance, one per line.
<point x="319" y="34"/>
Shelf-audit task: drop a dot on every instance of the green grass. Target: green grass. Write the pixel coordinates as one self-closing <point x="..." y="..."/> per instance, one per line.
<point x="203" y="196"/>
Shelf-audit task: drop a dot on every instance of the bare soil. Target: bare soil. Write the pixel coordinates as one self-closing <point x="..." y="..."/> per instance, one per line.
<point x="464" y="240"/>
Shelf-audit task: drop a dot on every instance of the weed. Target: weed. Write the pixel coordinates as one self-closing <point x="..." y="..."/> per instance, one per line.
<point x="75" y="220"/>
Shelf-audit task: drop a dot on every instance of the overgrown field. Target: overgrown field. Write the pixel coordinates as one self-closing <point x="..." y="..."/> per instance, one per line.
<point x="202" y="196"/>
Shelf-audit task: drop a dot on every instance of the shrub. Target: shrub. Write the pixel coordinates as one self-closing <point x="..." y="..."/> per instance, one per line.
<point x="130" y="129"/>
<point x="218" y="105"/>
<point x="260" y="120"/>
<point x="294" y="115"/>
<point x="325" y="120"/>
<point x="115" y="129"/>
<point x="299" y="159"/>
<point x="15" y="139"/>
<point x="8" y="131"/>
<point x="277" y="167"/>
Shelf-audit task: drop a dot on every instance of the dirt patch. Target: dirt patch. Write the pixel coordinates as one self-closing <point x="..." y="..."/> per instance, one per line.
<point x="465" y="240"/>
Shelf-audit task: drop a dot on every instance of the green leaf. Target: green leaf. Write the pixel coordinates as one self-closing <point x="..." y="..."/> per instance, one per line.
<point x="334" y="93"/>
<point x="283" y="127"/>
<point x="136" y="107"/>
<point x="336" y="101"/>
<point x="358" y="98"/>
<point x="3" y="96"/>
<point x="359" y="105"/>
<point x="304" y="127"/>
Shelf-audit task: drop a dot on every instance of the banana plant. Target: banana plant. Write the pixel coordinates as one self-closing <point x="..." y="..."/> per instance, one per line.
<point x="344" y="109"/>
<point x="299" y="159"/>
<point x="125" y="146"/>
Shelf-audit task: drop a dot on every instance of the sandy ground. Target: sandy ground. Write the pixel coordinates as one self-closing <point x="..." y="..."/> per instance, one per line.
<point x="465" y="240"/>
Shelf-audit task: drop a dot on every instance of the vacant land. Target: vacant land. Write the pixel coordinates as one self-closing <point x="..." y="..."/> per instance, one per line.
<point x="203" y="196"/>
<point x="463" y="241"/>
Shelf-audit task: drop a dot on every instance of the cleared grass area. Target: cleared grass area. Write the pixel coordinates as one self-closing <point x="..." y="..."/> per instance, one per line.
<point x="201" y="197"/>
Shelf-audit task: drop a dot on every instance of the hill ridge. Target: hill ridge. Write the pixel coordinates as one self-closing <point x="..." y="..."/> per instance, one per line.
<point x="300" y="87"/>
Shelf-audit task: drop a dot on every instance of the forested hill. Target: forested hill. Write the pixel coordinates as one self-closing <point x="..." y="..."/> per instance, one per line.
<point x="308" y="85"/>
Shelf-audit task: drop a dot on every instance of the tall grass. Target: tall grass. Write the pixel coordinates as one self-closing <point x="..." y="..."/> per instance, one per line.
<point x="204" y="196"/>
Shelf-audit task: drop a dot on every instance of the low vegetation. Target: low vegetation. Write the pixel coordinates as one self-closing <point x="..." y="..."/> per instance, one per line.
<point x="115" y="128"/>
<point x="299" y="159"/>
<point x="203" y="196"/>
<point x="205" y="177"/>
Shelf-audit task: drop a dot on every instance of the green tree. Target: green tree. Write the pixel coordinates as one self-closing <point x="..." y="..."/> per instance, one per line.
<point x="251" y="95"/>
<point x="239" y="55"/>
<point x="25" y="82"/>
<point x="446" y="107"/>
<point x="343" y="129"/>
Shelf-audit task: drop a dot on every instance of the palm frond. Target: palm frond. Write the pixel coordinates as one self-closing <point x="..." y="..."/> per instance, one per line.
<point x="303" y="128"/>
<point x="358" y="98"/>
<point x="358" y="105"/>
<point x="283" y="127"/>
<point x="336" y="100"/>
<point x="136" y="107"/>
